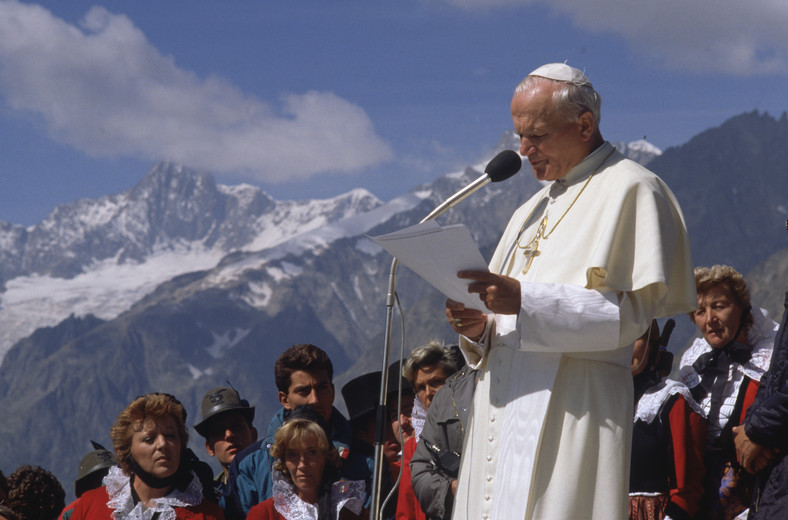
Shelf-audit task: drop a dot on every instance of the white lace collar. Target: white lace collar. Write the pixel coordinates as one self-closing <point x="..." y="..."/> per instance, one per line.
<point x="650" y="404"/>
<point x="119" y="490"/>
<point x="344" y="494"/>
<point x="761" y="337"/>
<point x="418" y="417"/>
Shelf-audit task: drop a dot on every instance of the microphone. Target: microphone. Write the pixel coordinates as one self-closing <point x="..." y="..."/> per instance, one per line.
<point x="503" y="166"/>
<point x="500" y="168"/>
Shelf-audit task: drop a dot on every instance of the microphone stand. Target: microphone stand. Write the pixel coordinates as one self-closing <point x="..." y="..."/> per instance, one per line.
<point x="381" y="418"/>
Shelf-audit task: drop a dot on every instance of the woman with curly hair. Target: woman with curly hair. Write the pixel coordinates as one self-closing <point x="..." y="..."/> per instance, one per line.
<point x="306" y="475"/>
<point x="723" y="370"/>
<point x="35" y="494"/>
<point x="153" y="479"/>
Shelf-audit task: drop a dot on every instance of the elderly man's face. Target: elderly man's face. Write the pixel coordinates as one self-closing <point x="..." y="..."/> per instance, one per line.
<point x="552" y="144"/>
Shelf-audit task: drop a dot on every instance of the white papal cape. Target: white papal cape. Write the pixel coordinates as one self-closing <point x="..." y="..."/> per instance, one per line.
<point x="550" y="429"/>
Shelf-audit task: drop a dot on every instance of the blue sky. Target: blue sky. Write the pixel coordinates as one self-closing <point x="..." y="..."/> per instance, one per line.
<point x="309" y="99"/>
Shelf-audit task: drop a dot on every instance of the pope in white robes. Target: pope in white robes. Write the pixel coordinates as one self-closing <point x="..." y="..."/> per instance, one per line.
<point x="581" y="270"/>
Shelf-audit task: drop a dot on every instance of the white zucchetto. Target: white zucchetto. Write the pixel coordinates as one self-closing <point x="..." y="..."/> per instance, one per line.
<point x="562" y="72"/>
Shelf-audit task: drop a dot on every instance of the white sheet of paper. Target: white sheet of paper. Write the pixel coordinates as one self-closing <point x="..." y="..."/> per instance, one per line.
<point x="436" y="253"/>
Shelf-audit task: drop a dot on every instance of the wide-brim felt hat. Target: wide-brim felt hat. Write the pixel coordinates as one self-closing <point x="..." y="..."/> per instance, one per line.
<point x="361" y="395"/>
<point x="395" y="381"/>
<point x="221" y="400"/>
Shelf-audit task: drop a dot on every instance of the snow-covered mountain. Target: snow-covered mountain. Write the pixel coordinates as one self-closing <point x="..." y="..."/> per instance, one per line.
<point x="641" y="151"/>
<point x="101" y="256"/>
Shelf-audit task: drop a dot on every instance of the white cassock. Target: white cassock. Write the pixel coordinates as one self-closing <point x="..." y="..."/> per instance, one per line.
<point x="550" y="428"/>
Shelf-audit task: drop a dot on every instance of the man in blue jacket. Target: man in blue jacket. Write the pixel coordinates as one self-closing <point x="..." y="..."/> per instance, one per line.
<point x="304" y="375"/>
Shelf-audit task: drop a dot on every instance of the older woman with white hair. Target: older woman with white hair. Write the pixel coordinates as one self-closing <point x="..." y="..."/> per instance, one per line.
<point x="723" y="369"/>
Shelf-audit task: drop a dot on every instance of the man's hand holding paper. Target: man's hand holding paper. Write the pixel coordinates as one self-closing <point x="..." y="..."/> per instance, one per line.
<point x="500" y="294"/>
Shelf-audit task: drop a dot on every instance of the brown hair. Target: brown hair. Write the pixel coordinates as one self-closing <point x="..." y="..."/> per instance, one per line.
<point x="294" y="434"/>
<point x="34" y="492"/>
<point x="154" y="406"/>
<point x="729" y="278"/>
<point x="307" y="358"/>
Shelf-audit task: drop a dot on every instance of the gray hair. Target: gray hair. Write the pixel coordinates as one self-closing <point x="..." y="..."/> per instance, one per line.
<point x="433" y="353"/>
<point x="570" y="100"/>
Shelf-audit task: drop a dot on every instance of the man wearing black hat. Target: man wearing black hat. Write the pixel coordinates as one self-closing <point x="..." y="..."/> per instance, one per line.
<point x="361" y="399"/>
<point x="226" y="425"/>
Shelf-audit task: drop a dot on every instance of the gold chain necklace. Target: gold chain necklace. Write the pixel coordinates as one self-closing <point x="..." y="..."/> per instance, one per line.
<point x="531" y="249"/>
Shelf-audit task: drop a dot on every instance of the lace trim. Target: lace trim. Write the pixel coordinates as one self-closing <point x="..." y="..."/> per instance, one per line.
<point x="344" y="494"/>
<point x="119" y="491"/>
<point x="418" y="417"/>
<point x="761" y="337"/>
<point x="348" y="494"/>
<point x="650" y="404"/>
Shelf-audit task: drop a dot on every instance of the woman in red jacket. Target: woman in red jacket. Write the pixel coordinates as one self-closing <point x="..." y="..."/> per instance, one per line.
<point x="723" y="369"/>
<point x="152" y="479"/>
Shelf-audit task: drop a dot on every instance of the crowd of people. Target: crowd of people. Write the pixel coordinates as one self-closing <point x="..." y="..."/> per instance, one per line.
<point x="699" y="449"/>
<point x="556" y="403"/>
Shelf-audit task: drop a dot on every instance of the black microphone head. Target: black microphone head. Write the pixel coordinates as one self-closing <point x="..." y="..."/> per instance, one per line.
<point x="503" y="165"/>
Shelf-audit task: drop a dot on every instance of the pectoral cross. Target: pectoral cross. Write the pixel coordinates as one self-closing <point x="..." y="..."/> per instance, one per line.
<point x="532" y="250"/>
<point x="530" y="254"/>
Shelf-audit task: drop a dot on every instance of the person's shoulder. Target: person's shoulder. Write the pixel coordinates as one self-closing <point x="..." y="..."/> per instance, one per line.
<point x="460" y="383"/>
<point x="337" y="419"/>
<point x="341" y="431"/>
<point x="463" y="374"/>
<point x="262" y="511"/>
<point x="625" y="171"/>
<point x="409" y="448"/>
<point x="92" y="504"/>
<point x="67" y="511"/>
<point x="206" y="510"/>
<point x="698" y="347"/>
<point x="252" y="454"/>
<point x="276" y="421"/>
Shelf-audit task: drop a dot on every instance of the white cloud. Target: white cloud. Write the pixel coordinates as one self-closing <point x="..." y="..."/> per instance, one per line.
<point x="104" y="89"/>
<point x="727" y="36"/>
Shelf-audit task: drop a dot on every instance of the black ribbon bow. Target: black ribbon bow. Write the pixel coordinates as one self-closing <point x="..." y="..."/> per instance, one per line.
<point x="713" y="368"/>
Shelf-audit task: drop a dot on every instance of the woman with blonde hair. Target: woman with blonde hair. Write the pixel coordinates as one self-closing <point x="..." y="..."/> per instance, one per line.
<point x="723" y="370"/>
<point x="153" y="479"/>
<point x="306" y="475"/>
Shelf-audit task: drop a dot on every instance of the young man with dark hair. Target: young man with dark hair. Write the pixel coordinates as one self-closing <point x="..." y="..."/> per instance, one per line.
<point x="304" y="375"/>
